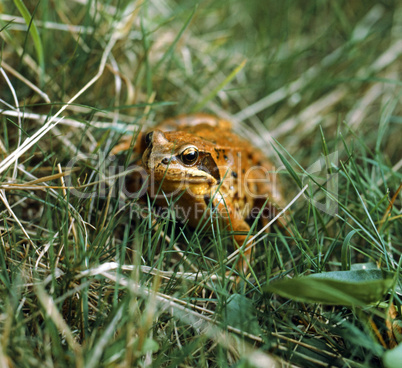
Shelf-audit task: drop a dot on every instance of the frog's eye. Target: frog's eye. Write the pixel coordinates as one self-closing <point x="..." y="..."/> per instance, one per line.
<point x="189" y="156"/>
<point x="148" y="138"/>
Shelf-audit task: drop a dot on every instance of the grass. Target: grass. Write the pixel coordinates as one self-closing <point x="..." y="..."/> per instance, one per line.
<point x="89" y="277"/>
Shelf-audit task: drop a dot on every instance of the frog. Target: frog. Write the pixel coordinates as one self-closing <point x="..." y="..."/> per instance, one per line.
<point x="204" y="167"/>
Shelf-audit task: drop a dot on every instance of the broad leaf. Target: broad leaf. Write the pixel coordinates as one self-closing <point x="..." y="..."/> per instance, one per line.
<point x="356" y="287"/>
<point x="393" y="358"/>
<point x="241" y="313"/>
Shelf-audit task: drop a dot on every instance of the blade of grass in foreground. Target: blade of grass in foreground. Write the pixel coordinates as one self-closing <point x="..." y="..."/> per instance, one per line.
<point x="34" y="33"/>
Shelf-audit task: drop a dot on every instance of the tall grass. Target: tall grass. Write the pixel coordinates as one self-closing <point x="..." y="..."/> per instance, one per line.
<point x="90" y="277"/>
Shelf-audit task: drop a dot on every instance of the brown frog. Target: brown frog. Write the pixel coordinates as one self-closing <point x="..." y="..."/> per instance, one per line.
<point x="198" y="161"/>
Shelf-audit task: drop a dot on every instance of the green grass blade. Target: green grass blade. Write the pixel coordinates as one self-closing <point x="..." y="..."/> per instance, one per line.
<point x="345" y="255"/>
<point x="172" y="47"/>
<point x="219" y="87"/>
<point x="33" y="30"/>
<point x="289" y="168"/>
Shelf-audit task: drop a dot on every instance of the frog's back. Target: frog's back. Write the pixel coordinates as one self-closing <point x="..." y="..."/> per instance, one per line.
<point x="212" y="129"/>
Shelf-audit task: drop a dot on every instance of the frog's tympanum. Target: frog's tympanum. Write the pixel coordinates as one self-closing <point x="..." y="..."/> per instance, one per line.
<point x="201" y="164"/>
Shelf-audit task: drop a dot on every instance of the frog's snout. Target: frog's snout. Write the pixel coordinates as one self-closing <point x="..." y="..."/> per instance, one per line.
<point x="155" y="141"/>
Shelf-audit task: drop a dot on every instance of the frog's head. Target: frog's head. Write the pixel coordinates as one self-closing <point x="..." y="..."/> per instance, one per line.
<point x="180" y="157"/>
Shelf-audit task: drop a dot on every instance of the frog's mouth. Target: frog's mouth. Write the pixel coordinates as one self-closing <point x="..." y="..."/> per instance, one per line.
<point x="173" y="173"/>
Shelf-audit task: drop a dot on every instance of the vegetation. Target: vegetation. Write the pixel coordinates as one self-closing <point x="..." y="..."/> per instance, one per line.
<point x="92" y="278"/>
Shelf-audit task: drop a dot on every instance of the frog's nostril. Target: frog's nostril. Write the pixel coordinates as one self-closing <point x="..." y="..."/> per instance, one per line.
<point x="148" y="138"/>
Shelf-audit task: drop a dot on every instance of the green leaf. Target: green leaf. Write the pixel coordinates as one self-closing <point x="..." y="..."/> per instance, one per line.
<point x="393" y="358"/>
<point x="363" y="266"/>
<point x="241" y="314"/>
<point x="357" y="287"/>
<point x="150" y="345"/>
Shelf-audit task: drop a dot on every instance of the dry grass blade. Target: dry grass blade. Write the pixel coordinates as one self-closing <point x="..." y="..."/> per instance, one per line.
<point x="6" y="204"/>
<point x="389" y="208"/>
<point x="53" y="121"/>
<point x="26" y="81"/>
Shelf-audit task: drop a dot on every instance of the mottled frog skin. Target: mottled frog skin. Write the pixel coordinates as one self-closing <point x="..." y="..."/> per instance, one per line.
<point x="200" y="160"/>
